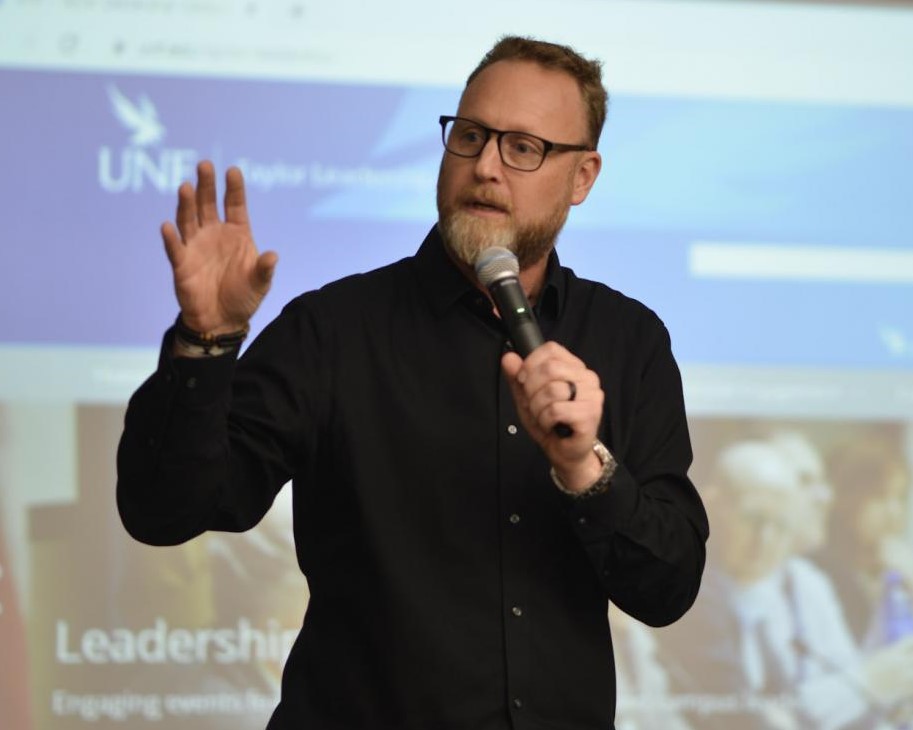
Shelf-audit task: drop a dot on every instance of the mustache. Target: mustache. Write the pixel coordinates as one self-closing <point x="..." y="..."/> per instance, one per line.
<point x="486" y="196"/>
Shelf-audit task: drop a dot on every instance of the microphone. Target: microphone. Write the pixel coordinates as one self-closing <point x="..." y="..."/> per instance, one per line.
<point x="498" y="271"/>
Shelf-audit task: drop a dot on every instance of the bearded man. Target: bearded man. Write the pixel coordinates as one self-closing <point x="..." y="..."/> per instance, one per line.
<point x="459" y="548"/>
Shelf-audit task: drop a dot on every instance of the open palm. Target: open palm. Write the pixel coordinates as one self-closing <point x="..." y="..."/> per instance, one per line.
<point x="219" y="276"/>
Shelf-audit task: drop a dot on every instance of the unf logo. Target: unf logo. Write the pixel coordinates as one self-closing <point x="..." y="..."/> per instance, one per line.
<point x="138" y="165"/>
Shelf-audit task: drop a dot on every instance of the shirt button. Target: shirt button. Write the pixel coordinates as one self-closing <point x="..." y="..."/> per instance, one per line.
<point x="512" y="430"/>
<point x="516" y="611"/>
<point x="581" y="520"/>
<point x="514" y="518"/>
<point x="518" y="703"/>
<point x="191" y="383"/>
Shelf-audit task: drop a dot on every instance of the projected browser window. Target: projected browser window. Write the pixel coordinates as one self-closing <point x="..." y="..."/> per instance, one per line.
<point x="755" y="193"/>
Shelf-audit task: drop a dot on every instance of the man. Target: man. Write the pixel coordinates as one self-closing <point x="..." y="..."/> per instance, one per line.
<point x="767" y="640"/>
<point x="459" y="565"/>
<point x="815" y="490"/>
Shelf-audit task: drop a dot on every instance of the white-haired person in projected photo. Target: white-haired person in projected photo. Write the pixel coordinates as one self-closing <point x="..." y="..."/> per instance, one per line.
<point x="815" y="490"/>
<point x="768" y="624"/>
<point x="485" y="449"/>
<point x="861" y="541"/>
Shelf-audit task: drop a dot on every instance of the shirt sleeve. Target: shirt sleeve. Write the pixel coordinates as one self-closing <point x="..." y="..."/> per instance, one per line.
<point x="208" y="442"/>
<point x="646" y="534"/>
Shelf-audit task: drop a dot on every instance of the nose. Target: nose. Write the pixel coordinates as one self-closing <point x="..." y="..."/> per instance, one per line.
<point x="488" y="165"/>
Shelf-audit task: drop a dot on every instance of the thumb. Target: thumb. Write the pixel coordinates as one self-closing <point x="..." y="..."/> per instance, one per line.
<point x="511" y="363"/>
<point x="511" y="366"/>
<point x="264" y="270"/>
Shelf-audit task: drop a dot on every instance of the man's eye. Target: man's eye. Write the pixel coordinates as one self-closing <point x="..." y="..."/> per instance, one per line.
<point x="470" y="136"/>
<point x="525" y="146"/>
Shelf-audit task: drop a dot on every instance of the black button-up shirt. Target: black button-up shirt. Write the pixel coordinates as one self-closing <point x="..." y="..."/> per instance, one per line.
<point x="452" y="585"/>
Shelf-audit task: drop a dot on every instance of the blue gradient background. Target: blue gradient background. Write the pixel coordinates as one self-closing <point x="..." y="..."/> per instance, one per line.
<point x="83" y="265"/>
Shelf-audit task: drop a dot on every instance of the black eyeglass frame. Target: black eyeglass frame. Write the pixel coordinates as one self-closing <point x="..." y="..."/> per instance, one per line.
<point x="548" y="146"/>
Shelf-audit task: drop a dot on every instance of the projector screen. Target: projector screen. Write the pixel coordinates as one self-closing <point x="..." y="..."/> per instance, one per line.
<point x="756" y="193"/>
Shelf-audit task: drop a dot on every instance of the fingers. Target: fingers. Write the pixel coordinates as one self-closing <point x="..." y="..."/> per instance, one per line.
<point x="551" y="404"/>
<point x="235" y="197"/>
<point x="206" y="209"/>
<point x="549" y="362"/>
<point x="186" y="215"/>
<point x="197" y="206"/>
<point x="581" y="415"/>
<point x="547" y="374"/>
<point x="174" y="247"/>
<point x="541" y="387"/>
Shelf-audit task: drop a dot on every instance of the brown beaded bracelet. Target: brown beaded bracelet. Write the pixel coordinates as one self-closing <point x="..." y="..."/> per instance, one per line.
<point x="208" y="341"/>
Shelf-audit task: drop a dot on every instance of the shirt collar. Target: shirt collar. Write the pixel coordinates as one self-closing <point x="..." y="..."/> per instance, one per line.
<point x="548" y="306"/>
<point x="445" y="285"/>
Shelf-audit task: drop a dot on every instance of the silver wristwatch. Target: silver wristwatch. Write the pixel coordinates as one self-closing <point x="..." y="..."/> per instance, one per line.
<point x="602" y="482"/>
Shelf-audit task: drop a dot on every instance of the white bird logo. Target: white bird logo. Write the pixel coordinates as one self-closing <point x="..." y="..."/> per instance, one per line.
<point x="140" y="118"/>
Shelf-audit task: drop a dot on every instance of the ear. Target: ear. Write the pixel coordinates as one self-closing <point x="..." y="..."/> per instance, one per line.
<point x="585" y="175"/>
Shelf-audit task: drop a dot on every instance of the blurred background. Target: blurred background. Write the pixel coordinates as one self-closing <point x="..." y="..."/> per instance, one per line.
<point x="756" y="192"/>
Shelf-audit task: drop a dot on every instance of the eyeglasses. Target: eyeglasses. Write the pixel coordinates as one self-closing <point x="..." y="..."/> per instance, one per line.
<point x="519" y="150"/>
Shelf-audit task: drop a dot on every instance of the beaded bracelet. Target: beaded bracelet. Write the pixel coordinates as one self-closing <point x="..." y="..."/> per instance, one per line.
<point x="208" y="343"/>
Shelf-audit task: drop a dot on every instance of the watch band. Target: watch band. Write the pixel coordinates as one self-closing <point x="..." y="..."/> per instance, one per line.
<point x="601" y="484"/>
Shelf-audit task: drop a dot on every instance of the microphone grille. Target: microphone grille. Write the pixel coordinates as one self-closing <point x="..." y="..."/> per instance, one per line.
<point x="496" y="263"/>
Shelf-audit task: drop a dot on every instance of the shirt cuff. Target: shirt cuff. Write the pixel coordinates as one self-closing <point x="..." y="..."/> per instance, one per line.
<point x="195" y="381"/>
<point x="595" y="518"/>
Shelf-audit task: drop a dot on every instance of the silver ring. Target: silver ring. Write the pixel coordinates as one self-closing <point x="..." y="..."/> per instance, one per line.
<point x="573" y="386"/>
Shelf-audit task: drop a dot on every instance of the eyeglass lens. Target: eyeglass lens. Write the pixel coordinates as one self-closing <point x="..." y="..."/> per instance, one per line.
<point x="518" y="150"/>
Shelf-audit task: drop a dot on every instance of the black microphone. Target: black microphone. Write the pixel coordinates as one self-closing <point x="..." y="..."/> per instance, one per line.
<point x="498" y="271"/>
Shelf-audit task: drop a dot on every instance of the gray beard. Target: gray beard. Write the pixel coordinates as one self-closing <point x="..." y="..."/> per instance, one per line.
<point x="467" y="236"/>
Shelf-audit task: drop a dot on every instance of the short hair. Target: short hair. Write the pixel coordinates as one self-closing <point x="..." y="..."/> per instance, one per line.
<point x="587" y="73"/>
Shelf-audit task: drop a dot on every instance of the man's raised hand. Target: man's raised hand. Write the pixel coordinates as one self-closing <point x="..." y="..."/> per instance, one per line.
<point x="219" y="276"/>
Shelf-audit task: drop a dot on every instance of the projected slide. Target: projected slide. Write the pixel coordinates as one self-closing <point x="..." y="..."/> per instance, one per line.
<point x="788" y="208"/>
<point x="756" y="193"/>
